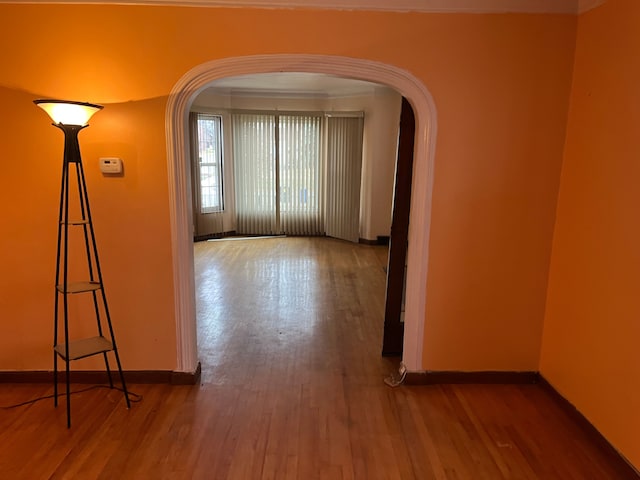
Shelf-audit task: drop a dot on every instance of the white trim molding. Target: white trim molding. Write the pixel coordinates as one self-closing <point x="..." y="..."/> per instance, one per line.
<point x="570" y="7"/>
<point x="178" y="105"/>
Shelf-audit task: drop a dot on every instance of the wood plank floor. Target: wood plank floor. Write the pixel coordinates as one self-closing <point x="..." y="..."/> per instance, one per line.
<point x="292" y="387"/>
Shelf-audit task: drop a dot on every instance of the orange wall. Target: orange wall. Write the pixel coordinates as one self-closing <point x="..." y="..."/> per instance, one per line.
<point x="501" y="87"/>
<point x="592" y="325"/>
<point x="501" y="124"/>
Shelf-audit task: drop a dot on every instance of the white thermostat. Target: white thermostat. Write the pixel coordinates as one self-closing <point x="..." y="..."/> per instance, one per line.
<point x="111" y="165"/>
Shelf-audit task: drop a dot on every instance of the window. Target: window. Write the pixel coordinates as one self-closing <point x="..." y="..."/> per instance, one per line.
<point x="293" y="173"/>
<point x="209" y="171"/>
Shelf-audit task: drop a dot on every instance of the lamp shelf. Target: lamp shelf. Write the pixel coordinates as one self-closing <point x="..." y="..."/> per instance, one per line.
<point x="84" y="347"/>
<point x="76" y="222"/>
<point x="80" y="287"/>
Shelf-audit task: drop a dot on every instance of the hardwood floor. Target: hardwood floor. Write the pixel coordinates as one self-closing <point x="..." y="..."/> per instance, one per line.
<point x="292" y="387"/>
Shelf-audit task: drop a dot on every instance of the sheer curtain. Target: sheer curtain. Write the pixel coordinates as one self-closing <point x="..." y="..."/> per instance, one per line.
<point x="254" y="157"/>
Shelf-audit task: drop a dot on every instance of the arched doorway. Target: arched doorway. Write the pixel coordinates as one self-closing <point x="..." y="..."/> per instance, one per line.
<point x="180" y="99"/>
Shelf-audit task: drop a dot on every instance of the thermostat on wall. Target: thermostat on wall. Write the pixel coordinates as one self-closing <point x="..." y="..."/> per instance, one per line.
<point x="111" y="165"/>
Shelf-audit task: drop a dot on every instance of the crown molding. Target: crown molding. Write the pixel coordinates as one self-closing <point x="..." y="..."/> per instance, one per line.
<point x="295" y="94"/>
<point x="571" y="7"/>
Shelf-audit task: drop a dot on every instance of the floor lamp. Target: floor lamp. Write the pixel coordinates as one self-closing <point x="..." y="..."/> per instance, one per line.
<point x="71" y="118"/>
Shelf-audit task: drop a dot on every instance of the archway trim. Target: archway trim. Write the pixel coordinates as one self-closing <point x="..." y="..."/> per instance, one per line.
<point x="176" y="123"/>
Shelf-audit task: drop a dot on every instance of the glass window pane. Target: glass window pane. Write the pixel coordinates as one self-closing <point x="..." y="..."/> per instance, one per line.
<point x="210" y="162"/>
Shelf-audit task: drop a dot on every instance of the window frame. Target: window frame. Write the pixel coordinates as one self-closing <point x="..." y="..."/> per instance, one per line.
<point x="217" y="165"/>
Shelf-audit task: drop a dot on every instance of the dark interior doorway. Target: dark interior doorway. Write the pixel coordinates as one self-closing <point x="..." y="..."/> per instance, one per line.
<point x="393" y="336"/>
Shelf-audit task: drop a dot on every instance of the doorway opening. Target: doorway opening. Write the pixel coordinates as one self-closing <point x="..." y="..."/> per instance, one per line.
<point x="178" y="106"/>
<point x="304" y="154"/>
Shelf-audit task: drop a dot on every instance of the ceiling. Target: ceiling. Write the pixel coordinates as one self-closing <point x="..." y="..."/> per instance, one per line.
<point x="291" y="84"/>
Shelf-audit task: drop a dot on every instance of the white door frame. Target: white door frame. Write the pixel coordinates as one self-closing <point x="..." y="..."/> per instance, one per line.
<point x="180" y="99"/>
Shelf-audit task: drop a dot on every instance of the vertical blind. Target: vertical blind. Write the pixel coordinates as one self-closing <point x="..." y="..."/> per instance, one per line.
<point x="299" y="168"/>
<point x="254" y="156"/>
<point x="344" y="168"/>
<point x="281" y="179"/>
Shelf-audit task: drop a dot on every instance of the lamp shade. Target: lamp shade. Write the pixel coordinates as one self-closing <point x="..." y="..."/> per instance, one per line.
<point x="68" y="112"/>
